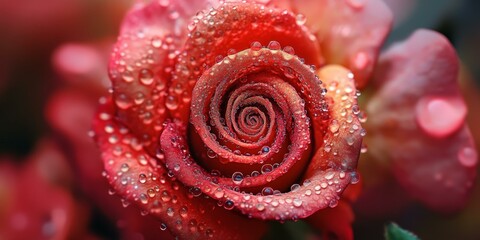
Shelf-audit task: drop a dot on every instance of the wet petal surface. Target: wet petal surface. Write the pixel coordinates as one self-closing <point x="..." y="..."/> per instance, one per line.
<point x="350" y="32"/>
<point x="419" y="121"/>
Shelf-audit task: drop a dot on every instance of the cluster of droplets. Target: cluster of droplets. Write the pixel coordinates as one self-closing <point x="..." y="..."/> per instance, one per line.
<point x="269" y="203"/>
<point x="138" y="176"/>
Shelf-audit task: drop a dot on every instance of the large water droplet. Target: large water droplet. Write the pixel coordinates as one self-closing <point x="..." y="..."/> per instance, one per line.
<point x="123" y="102"/>
<point x="146" y="76"/>
<point x="356" y="4"/>
<point x="468" y="157"/>
<point x="237" y="177"/>
<point x="256" y="46"/>
<point x="439" y="116"/>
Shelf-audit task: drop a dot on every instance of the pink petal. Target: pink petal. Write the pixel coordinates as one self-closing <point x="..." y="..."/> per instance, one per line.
<point x="350" y="32"/>
<point x="419" y="121"/>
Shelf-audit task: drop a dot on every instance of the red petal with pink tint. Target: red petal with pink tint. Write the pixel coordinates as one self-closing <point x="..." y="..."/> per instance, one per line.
<point x="141" y="179"/>
<point x="142" y="61"/>
<point x="350" y="32"/>
<point x="419" y="121"/>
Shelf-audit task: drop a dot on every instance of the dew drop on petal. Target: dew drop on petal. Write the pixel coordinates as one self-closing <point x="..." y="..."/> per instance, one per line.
<point x="440" y="117"/>
<point x="256" y="46"/>
<point x="237" y="177"/>
<point x="267" y="191"/>
<point x="468" y="157"/>
<point x="156" y="42"/>
<point x="163" y="226"/>
<point x="146" y="76"/>
<point x="361" y="60"/>
<point x="356" y="4"/>
<point x="228" y="204"/>
<point x="274" y="45"/>
<point x="334" y="126"/>
<point x="300" y="19"/>
<point x="297" y="202"/>
<point x="354" y="178"/>
<point x="266" y="168"/>
<point x="142" y="178"/>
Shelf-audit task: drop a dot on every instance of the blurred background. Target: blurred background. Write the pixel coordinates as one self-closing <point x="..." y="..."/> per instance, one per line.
<point x="53" y="62"/>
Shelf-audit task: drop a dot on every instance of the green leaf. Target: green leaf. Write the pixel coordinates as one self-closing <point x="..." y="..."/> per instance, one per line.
<point x="394" y="232"/>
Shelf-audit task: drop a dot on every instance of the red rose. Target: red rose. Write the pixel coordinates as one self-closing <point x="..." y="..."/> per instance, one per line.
<point x="219" y="118"/>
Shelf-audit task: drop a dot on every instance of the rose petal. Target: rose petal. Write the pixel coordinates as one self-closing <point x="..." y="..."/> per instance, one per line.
<point x="83" y="65"/>
<point x="237" y="26"/>
<point x="33" y="207"/>
<point x="70" y="114"/>
<point x="419" y="121"/>
<point x="138" y="178"/>
<point x="350" y="32"/>
<point x="142" y="62"/>
<point x="334" y="223"/>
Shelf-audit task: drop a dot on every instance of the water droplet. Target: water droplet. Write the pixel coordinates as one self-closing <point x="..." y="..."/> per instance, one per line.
<point x="440" y="117"/>
<point x="333" y="203"/>
<point x="229" y="204"/>
<point x="171" y="102"/>
<point x="165" y="196"/>
<point x="329" y="175"/>
<point x="274" y="45"/>
<point x="156" y="42"/>
<point x="297" y="202"/>
<point x="195" y="191"/>
<point x="256" y="46"/>
<point x="300" y="19"/>
<point x="143" y="198"/>
<point x="361" y="60"/>
<point x="356" y="4"/>
<point x="219" y="193"/>
<point x="163" y="226"/>
<point x="260" y="207"/>
<point x="237" y="177"/>
<point x="127" y="76"/>
<point x="211" y="153"/>
<point x="170" y="212"/>
<point x="123" y="102"/>
<point x="289" y="50"/>
<point x="183" y="212"/>
<point x="146" y="76"/>
<point x="124" y="167"/>
<point x="294" y="187"/>
<point x="139" y="98"/>
<point x="151" y="193"/>
<point x="468" y="157"/>
<point x="142" y="178"/>
<point x="266" y="168"/>
<point x="354" y="178"/>
<point x="266" y="191"/>
<point x="265" y="149"/>
<point x="334" y="126"/>
<point x="209" y="233"/>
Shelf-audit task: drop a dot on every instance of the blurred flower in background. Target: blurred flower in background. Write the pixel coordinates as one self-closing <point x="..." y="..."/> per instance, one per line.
<point x="53" y="70"/>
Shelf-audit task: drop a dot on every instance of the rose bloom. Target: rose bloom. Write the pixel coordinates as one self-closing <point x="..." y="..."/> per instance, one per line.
<point x="224" y="115"/>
